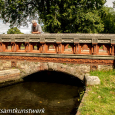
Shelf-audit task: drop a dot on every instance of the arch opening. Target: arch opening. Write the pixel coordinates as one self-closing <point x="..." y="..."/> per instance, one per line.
<point x="103" y="49"/>
<point x="22" y="46"/>
<point x="51" y="47"/>
<point x="59" y="87"/>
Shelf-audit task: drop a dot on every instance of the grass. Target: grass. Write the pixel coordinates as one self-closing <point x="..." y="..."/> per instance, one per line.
<point x="101" y="98"/>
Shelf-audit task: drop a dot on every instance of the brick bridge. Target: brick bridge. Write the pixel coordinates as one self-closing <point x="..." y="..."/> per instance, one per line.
<point x="71" y="53"/>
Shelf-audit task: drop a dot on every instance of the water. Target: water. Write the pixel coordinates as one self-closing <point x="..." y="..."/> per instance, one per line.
<point x="56" y="92"/>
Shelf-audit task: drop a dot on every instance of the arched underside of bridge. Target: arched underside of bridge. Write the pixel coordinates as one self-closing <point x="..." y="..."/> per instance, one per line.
<point x="54" y="77"/>
<point x="70" y="69"/>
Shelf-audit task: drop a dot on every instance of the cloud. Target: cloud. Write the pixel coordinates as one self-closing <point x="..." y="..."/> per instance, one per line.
<point x="4" y="28"/>
<point x="109" y="3"/>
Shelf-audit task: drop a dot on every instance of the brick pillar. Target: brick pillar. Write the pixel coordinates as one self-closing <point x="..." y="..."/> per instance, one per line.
<point x="75" y="48"/>
<point x="1" y="47"/>
<point x="46" y="48"/>
<point x="79" y="49"/>
<point x="95" y="49"/>
<point x="62" y="48"/>
<point x="13" y="46"/>
<point x="112" y="49"/>
<point x="18" y="46"/>
<point x="90" y="49"/>
<point x="42" y="47"/>
<point x="104" y="47"/>
<point x="27" y="46"/>
<point x="58" y="47"/>
<point x="15" y="49"/>
<point x="108" y="50"/>
<point x="31" y="46"/>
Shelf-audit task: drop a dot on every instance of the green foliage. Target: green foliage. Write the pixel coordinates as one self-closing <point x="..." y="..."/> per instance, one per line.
<point x="14" y="30"/>
<point x="58" y="16"/>
<point x="107" y="15"/>
<point x="69" y="46"/>
<point x="101" y="47"/>
<point x="1" y="5"/>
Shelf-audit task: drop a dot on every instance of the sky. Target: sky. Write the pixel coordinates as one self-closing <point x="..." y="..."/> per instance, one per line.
<point x="26" y="30"/>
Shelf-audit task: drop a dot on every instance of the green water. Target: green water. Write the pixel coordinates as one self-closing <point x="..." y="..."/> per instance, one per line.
<point x="56" y="92"/>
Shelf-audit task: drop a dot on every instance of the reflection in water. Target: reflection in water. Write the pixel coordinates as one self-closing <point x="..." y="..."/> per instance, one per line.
<point x="56" y="92"/>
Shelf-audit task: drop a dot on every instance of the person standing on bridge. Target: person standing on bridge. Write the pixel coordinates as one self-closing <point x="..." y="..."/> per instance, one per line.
<point x="36" y="28"/>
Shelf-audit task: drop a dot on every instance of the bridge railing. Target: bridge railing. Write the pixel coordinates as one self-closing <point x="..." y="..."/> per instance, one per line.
<point x="90" y="44"/>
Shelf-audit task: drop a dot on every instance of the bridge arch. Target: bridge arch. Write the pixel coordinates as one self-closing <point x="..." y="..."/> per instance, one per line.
<point x="70" y="69"/>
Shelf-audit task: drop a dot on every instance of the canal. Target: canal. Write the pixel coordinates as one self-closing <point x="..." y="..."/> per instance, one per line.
<point x="57" y="92"/>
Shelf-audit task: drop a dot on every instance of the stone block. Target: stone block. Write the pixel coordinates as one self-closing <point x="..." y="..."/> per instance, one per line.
<point x="92" y="80"/>
<point x="80" y="76"/>
<point x="11" y="74"/>
<point x="10" y="71"/>
<point x="54" y="67"/>
<point x="64" y="66"/>
<point x="45" y="66"/>
<point x="50" y="64"/>
<point x="105" y="67"/>
<point x="7" y="64"/>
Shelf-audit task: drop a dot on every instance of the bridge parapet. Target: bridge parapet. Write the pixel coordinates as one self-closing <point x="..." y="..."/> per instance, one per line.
<point x="79" y="43"/>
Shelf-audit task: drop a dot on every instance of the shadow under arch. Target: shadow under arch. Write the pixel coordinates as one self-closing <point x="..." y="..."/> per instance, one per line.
<point x="55" y="77"/>
<point x="51" y="77"/>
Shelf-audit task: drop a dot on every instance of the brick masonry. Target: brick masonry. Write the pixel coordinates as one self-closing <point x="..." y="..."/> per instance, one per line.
<point x="29" y="67"/>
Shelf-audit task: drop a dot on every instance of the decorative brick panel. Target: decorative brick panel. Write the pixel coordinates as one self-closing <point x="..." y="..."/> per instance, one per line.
<point x="57" y="60"/>
<point x="13" y="63"/>
<point x="93" y="67"/>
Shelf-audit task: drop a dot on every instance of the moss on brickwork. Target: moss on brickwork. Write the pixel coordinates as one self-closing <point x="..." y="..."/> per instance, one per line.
<point x="64" y="63"/>
<point x="36" y="62"/>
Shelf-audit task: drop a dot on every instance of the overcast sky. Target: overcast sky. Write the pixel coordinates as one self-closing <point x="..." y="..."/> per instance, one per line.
<point x="4" y="27"/>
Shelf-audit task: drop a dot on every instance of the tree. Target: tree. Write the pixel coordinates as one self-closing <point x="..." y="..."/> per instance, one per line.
<point x="14" y="30"/>
<point x="114" y="4"/>
<point x="60" y="16"/>
<point x="107" y="15"/>
<point x="1" y="6"/>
